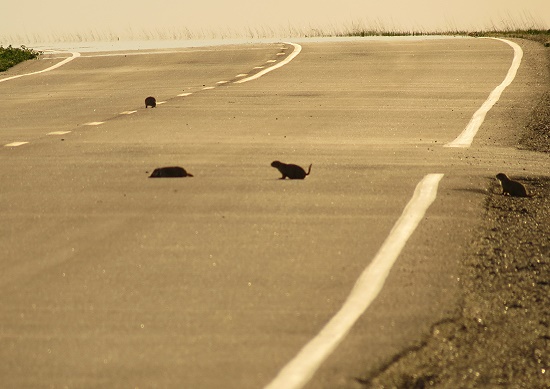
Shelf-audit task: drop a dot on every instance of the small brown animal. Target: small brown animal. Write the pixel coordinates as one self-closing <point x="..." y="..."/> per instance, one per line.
<point x="293" y="172"/>
<point x="150" y="102"/>
<point x="169" y="172"/>
<point x="510" y="187"/>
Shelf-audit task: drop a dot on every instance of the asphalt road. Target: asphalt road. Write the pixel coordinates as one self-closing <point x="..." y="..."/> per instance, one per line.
<point x="111" y="279"/>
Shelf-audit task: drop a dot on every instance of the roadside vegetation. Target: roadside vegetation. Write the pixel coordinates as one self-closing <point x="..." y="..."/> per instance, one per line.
<point x="537" y="35"/>
<point x="11" y="56"/>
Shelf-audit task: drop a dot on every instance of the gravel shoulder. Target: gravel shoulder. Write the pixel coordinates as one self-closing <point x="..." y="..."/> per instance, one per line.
<point x="501" y="336"/>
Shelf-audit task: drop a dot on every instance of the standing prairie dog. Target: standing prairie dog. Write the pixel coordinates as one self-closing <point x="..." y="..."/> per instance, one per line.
<point x="510" y="187"/>
<point x="150" y="102"/>
<point x="293" y="172"/>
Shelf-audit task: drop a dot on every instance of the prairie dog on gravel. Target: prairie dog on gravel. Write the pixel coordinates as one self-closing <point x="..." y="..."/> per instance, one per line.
<point x="510" y="187"/>
<point x="293" y="172"/>
<point x="169" y="172"/>
<point x="150" y="102"/>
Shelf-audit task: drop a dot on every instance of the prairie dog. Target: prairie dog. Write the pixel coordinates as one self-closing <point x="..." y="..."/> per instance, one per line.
<point x="293" y="172"/>
<point x="150" y="102"/>
<point x="170" y="171"/>
<point x="510" y="187"/>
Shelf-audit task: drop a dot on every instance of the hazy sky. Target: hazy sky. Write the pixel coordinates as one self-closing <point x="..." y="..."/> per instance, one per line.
<point x="43" y="17"/>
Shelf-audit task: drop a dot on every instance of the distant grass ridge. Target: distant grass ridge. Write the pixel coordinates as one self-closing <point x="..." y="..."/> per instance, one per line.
<point x="11" y="56"/>
<point x="536" y="34"/>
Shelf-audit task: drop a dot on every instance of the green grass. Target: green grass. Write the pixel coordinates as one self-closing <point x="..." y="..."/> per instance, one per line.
<point x="11" y="56"/>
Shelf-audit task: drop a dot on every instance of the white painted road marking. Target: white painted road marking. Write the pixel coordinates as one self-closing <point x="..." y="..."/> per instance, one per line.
<point x="127" y="112"/>
<point x="58" y="132"/>
<point x="93" y="123"/>
<point x="15" y="144"/>
<point x="241" y="75"/>
<point x="297" y="49"/>
<point x="67" y="60"/>
<point x="300" y="369"/>
<point x="185" y="94"/>
<point x="222" y="82"/>
<point x="208" y="87"/>
<point x="466" y="137"/>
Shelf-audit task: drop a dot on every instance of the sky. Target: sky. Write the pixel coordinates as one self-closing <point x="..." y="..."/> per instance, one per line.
<point x="60" y="19"/>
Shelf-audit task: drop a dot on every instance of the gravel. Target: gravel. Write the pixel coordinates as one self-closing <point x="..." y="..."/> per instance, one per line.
<point x="501" y="336"/>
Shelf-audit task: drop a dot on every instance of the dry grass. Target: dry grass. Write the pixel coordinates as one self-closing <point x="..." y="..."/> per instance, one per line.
<point x="521" y="26"/>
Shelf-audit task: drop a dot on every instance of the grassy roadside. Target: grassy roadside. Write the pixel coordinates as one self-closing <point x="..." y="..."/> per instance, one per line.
<point x="501" y="337"/>
<point x="11" y="56"/>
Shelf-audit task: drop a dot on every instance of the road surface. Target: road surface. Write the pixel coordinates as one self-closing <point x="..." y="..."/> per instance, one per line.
<point x="111" y="279"/>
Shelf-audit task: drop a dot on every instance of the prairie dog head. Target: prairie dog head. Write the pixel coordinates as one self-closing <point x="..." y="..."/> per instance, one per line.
<point x="502" y="177"/>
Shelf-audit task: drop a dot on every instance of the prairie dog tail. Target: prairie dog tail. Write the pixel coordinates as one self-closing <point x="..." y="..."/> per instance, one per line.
<point x="308" y="170"/>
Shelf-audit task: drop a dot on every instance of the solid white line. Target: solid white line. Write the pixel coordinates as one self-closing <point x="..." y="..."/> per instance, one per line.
<point x="466" y="137"/>
<point x="15" y="144"/>
<point x="65" y="61"/>
<point x="300" y="369"/>
<point x="297" y="49"/>
<point x="58" y="132"/>
<point x="43" y="59"/>
<point x="241" y="75"/>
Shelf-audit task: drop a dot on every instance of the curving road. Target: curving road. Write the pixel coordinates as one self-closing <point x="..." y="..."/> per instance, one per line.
<point x="111" y="279"/>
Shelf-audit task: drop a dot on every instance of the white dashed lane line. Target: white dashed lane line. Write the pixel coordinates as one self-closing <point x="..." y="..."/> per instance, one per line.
<point x="297" y="49"/>
<point x="284" y="61"/>
<point x="58" y="132"/>
<point x="93" y="123"/>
